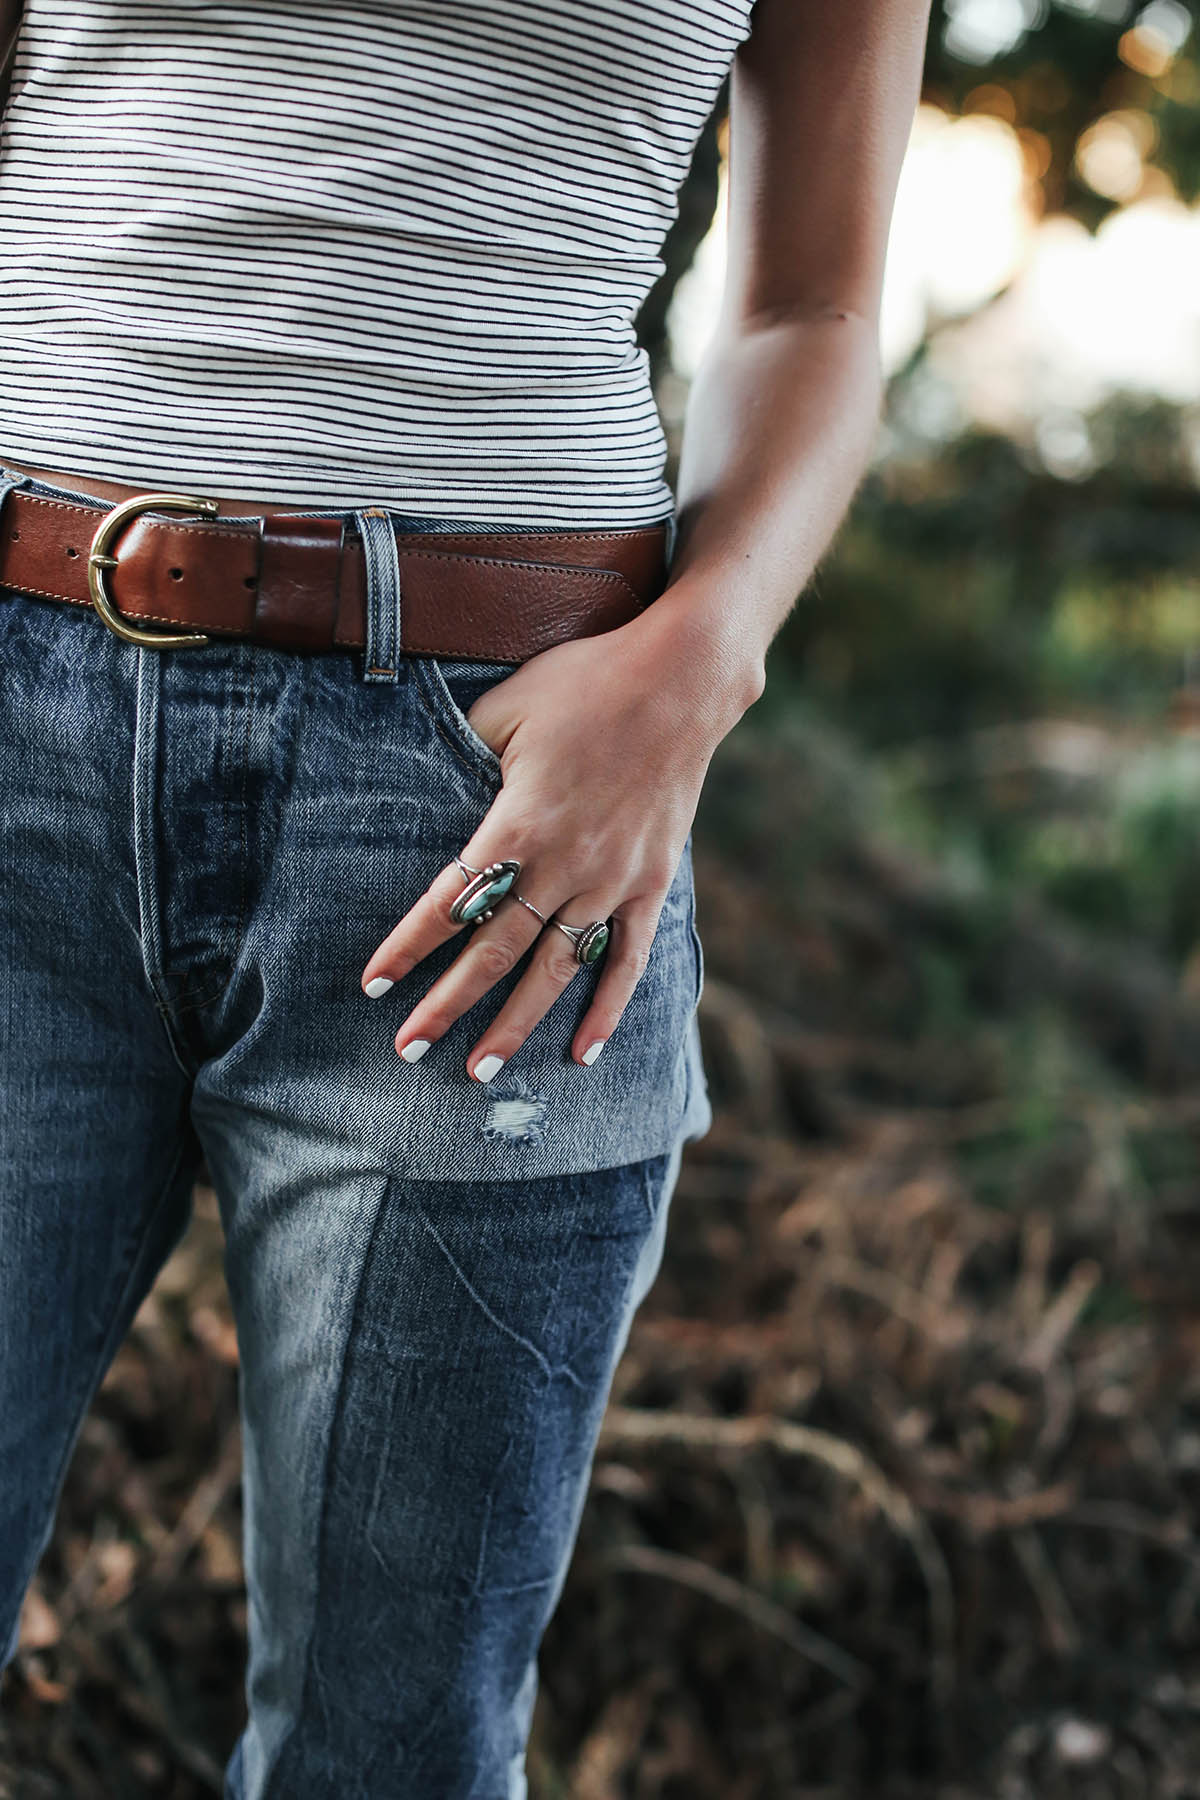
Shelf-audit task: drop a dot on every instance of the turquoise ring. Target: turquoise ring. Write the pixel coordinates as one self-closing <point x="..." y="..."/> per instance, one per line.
<point x="590" y="941"/>
<point x="484" y="888"/>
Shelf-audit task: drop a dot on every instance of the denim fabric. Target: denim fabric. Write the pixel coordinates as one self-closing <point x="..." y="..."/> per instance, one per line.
<point x="432" y="1279"/>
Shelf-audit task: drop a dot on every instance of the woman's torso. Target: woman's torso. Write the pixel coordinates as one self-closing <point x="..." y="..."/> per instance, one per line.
<point x="387" y="252"/>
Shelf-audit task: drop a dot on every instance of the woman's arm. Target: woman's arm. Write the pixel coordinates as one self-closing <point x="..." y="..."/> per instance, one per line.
<point x="605" y="742"/>
<point x="782" y="413"/>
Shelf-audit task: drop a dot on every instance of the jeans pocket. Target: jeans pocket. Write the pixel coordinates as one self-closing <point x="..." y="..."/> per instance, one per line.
<point x="697" y="949"/>
<point x="448" y="687"/>
<point x="692" y="929"/>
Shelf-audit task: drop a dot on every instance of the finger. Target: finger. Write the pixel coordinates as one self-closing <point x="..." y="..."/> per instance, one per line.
<point x="424" y="926"/>
<point x="554" y="965"/>
<point x="625" y="960"/>
<point x="494" y="951"/>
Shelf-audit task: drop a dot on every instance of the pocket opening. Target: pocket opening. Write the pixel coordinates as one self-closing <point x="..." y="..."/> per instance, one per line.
<point x="448" y="686"/>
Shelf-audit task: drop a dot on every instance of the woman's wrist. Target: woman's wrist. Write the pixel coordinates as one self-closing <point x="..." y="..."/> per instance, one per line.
<point x="695" y="649"/>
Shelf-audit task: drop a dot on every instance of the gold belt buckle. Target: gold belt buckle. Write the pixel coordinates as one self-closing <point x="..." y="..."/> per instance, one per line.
<point x="100" y="558"/>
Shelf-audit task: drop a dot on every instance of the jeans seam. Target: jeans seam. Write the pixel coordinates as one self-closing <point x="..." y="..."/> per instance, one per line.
<point x="193" y="1004"/>
<point x="270" y="1787"/>
<point x="456" y="749"/>
<point x="147" y="736"/>
<point x="99" y="1359"/>
<point x="460" y="756"/>
<point x="243" y="873"/>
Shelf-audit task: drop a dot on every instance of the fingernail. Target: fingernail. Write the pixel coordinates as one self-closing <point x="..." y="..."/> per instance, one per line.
<point x="378" y="984"/>
<point x="412" y="1052"/>
<point x="592" y="1051"/>
<point x="486" y="1067"/>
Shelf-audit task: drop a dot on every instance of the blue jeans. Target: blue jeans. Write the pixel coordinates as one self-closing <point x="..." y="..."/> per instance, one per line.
<point x="432" y="1279"/>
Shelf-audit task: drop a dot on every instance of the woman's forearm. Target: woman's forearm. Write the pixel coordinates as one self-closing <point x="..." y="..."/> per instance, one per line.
<point x="605" y="743"/>
<point x="778" y="429"/>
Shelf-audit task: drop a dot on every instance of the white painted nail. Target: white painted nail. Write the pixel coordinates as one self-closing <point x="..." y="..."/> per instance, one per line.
<point x="486" y="1067"/>
<point x="412" y="1052"/>
<point x="378" y="984"/>
<point x="592" y="1051"/>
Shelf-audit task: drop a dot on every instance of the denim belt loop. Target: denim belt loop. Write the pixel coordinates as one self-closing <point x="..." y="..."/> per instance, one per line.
<point x="9" y="479"/>
<point x="381" y="652"/>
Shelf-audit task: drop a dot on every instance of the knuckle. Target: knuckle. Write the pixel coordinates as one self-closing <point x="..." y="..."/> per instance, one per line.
<point x="495" y="956"/>
<point x="561" y="964"/>
<point x="635" y="957"/>
<point x="521" y="824"/>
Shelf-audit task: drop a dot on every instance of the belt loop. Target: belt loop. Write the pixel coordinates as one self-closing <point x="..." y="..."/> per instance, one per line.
<point x="381" y="565"/>
<point x="9" y="479"/>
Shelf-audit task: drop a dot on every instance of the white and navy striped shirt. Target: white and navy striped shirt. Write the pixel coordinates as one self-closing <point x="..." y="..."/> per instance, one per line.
<point x="349" y="252"/>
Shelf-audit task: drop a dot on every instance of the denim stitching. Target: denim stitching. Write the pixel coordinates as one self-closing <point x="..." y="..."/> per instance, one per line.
<point x="270" y="1785"/>
<point x="460" y="755"/>
<point x="489" y="782"/>
<point x="175" y="1008"/>
<point x="242" y="909"/>
<point x="381" y="564"/>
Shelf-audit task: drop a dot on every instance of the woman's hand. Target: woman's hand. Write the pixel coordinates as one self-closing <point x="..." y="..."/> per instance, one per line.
<point x="604" y="744"/>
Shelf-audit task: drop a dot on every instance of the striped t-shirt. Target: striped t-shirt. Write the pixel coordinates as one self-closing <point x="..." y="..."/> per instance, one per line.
<point x="349" y="252"/>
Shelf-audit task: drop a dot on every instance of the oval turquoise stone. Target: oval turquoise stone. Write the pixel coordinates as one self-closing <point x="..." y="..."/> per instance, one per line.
<point x="487" y="896"/>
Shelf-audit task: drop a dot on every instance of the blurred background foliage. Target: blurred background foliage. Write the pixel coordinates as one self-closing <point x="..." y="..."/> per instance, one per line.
<point x="1009" y="647"/>
<point x="948" y="874"/>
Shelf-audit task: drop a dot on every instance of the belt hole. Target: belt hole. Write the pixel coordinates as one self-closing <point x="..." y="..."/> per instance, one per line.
<point x="251" y="581"/>
<point x="71" y="552"/>
<point x="16" y="537"/>
<point x="175" y="574"/>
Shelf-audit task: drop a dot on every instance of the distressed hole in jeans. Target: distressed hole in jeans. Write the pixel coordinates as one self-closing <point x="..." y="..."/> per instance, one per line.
<point x="518" y="1117"/>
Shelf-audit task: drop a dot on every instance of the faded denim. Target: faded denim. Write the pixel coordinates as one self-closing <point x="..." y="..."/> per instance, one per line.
<point x="432" y="1280"/>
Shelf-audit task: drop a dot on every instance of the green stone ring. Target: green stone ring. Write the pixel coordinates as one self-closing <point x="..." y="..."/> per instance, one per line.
<point x="484" y="887"/>
<point x="590" y="941"/>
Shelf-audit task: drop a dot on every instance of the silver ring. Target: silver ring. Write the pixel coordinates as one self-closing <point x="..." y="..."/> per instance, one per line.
<point x="533" y="909"/>
<point x="484" y="888"/>
<point x="590" y="941"/>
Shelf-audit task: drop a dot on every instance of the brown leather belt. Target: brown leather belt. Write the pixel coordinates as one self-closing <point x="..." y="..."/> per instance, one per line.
<point x="299" y="582"/>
